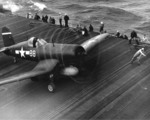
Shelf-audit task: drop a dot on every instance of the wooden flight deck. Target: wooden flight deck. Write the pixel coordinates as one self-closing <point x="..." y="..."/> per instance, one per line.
<point x="119" y="91"/>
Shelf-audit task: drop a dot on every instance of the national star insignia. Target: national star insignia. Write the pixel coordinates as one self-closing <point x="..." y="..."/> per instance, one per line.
<point x="22" y="52"/>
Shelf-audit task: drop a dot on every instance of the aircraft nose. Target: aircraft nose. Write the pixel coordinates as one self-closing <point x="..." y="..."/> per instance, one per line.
<point x="80" y="51"/>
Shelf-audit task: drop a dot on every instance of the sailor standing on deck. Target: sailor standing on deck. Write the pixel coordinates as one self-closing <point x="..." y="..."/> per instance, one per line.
<point x="36" y="17"/>
<point x="91" y="28"/>
<point x="134" y="37"/>
<point x="117" y="34"/>
<point x="138" y="55"/>
<point x="60" y="19"/>
<point x="66" y="18"/>
<point x="145" y="39"/>
<point x="101" y="30"/>
<point x="29" y="15"/>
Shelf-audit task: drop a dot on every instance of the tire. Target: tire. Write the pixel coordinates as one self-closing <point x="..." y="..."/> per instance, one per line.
<point x="51" y="87"/>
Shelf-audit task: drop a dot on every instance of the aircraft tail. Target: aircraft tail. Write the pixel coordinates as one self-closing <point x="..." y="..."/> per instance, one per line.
<point x="7" y="37"/>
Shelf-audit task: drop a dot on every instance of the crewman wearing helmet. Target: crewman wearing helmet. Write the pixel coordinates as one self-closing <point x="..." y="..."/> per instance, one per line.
<point x="101" y="30"/>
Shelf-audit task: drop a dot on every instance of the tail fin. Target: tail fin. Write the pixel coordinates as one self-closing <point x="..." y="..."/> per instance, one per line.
<point x="7" y="37"/>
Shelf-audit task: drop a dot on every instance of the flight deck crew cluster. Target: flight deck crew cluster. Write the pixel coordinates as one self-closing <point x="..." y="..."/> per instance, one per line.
<point x="50" y="19"/>
<point x="137" y="42"/>
<point x="64" y="21"/>
<point x="134" y="38"/>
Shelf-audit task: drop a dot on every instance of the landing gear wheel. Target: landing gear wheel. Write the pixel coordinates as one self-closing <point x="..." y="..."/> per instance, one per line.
<point x="51" y="87"/>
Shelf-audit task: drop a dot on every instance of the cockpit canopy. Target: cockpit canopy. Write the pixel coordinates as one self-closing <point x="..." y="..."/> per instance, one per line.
<point x="36" y="42"/>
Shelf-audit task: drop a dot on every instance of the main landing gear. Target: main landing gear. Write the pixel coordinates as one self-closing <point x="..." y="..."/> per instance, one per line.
<point x="51" y="85"/>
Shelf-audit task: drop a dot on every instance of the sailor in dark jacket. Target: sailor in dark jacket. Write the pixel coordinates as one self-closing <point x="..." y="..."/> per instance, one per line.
<point x="134" y="37"/>
<point x="91" y="28"/>
<point x="101" y="30"/>
<point x="60" y="19"/>
<point x="36" y="17"/>
<point x="66" y="18"/>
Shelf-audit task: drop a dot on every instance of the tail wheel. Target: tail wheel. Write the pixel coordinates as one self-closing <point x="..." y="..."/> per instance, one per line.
<point x="51" y="87"/>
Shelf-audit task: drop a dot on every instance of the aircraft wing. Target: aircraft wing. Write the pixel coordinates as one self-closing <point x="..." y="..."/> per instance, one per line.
<point x="91" y="43"/>
<point x="42" y="67"/>
<point x="3" y="49"/>
<point x="145" y="43"/>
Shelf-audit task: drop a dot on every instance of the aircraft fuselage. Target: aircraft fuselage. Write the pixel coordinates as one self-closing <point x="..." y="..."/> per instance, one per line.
<point x="62" y="52"/>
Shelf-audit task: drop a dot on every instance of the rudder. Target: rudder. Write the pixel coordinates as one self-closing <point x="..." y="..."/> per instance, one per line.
<point x="7" y="37"/>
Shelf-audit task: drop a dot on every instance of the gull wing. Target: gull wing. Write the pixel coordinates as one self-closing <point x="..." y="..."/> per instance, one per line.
<point x="91" y="43"/>
<point x="44" y="66"/>
<point x="3" y="49"/>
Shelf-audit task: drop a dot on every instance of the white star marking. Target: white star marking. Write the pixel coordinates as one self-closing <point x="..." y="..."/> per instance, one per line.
<point x="22" y="52"/>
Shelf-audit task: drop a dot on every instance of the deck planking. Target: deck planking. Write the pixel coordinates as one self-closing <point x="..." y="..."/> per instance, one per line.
<point x="119" y="91"/>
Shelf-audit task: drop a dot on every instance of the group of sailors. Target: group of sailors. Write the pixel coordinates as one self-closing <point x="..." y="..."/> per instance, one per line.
<point x="133" y="37"/>
<point x="50" y="19"/>
<point x="85" y="32"/>
<point x="140" y="53"/>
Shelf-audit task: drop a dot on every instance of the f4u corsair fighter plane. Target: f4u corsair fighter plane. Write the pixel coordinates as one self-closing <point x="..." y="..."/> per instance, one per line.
<point x="52" y="59"/>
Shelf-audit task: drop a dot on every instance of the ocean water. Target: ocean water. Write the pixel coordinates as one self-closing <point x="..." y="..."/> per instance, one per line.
<point x="122" y="15"/>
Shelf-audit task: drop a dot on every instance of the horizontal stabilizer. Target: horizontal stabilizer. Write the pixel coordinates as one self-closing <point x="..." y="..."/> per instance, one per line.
<point x="7" y="37"/>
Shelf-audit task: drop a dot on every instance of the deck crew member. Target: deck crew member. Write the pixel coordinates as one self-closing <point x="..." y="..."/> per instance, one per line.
<point x="43" y="18"/>
<point x="46" y="18"/>
<point x="29" y="15"/>
<point x="145" y="39"/>
<point x="36" y="17"/>
<point x="91" y="28"/>
<point x="66" y="19"/>
<point x="60" y="19"/>
<point x="125" y="37"/>
<point x="138" y="55"/>
<point x="85" y="31"/>
<point x="134" y="37"/>
<point x="117" y="34"/>
<point x="101" y="30"/>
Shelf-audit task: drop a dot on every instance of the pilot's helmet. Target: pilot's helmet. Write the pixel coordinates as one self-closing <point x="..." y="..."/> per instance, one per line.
<point x="102" y="22"/>
<point x="142" y="49"/>
<point x="34" y="41"/>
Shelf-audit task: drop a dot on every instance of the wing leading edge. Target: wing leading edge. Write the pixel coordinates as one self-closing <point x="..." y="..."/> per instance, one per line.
<point x="3" y="49"/>
<point x="42" y="67"/>
<point x="91" y="43"/>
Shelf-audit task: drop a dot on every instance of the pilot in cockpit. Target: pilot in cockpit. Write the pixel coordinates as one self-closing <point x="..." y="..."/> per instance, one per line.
<point x="36" y="42"/>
